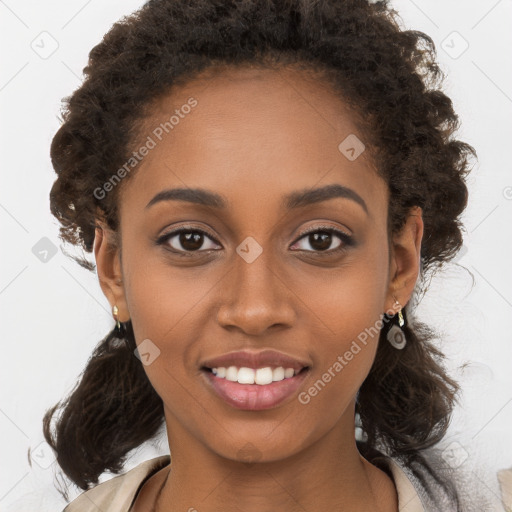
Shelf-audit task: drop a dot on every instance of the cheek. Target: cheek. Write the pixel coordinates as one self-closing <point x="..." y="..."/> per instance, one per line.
<point x="348" y="300"/>
<point x="163" y="300"/>
<point x="345" y="311"/>
<point x="346" y="344"/>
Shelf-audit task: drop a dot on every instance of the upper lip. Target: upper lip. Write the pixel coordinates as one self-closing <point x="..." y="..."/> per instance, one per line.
<point x="255" y="360"/>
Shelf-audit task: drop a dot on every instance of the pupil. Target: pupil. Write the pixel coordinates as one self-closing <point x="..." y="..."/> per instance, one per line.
<point x="320" y="241"/>
<point x="191" y="241"/>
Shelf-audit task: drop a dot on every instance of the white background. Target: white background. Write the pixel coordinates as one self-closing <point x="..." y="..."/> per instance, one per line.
<point x="53" y="313"/>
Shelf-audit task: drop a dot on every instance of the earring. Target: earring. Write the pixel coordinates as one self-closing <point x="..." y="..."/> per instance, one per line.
<point x="396" y="335"/>
<point x="120" y="331"/>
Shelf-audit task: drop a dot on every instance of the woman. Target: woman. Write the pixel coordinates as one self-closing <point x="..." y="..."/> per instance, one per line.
<point x="265" y="186"/>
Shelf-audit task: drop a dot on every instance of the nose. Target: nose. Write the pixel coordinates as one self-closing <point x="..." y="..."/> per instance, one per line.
<point x="256" y="297"/>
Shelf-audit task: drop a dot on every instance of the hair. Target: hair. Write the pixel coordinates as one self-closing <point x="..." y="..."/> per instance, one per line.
<point x="389" y="78"/>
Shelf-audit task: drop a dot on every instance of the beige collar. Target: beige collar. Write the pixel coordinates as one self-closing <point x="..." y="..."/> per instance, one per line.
<point x="408" y="499"/>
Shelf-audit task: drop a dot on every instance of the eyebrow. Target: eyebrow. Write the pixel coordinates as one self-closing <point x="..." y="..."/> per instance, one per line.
<point x="297" y="199"/>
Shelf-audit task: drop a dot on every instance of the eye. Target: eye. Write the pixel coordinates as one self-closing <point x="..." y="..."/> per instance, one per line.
<point x="320" y="239"/>
<point x="187" y="240"/>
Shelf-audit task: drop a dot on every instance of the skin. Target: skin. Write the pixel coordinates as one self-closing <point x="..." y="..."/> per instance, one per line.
<point x="254" y="137"/>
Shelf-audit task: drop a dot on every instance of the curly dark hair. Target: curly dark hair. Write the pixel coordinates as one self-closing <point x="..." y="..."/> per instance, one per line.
<point x="388" y="76"/>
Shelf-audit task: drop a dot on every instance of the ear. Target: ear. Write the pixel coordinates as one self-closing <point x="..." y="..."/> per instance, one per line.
<point x="405" y="259"/>
<point x="108" y="266"/>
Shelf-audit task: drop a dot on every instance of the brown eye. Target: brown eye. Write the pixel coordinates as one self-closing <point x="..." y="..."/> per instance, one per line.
<point x="322" y="239"/>
<point x="188" y="240"/>
<point x="191" y="241"/>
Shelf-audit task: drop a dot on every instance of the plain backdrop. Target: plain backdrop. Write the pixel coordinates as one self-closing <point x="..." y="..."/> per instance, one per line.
<point x="53" y="312"/>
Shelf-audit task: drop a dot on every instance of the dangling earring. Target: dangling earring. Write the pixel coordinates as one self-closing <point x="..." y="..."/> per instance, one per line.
<point x="396" y="335"/>
<point x="120" y="330"/>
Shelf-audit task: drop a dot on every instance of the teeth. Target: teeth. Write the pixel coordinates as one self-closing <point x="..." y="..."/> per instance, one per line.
<point x="246" y="375"/>
<point x="288" y="373"/>
<point x="278" y="373"/>
<point x="232" y="374"/>
<point x="261" y="376"/>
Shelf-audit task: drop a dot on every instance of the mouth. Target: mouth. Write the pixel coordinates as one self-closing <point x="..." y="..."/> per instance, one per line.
<point x="255" y="389"/>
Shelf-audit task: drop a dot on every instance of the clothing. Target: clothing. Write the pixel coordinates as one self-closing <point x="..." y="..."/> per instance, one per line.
<point x="119" y="493"/>
<point x="505" y="480"/>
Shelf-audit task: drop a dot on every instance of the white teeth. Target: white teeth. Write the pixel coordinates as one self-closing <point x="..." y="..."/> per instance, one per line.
<point x="278" y="373"/>
<point x="246" y="376"/>
<point x="288" y="373"/>
<point x="261" y="376"/>
<point x="232" y="373"/>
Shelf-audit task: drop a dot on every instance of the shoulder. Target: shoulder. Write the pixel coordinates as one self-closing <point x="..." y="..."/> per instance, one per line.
<point x="418" y="489"/>
<point x="429" y="484"/>
<point x="118" y="493"/>
<point x="505" y="480"/>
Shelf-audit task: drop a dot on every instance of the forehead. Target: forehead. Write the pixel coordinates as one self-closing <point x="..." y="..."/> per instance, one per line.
<point x="252" y="133"/>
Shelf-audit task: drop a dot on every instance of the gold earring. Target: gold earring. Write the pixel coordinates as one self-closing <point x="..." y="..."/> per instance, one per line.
<point x="395" y="335"/>
<point x="401" y="320"/>
<point x="115" y="312"/>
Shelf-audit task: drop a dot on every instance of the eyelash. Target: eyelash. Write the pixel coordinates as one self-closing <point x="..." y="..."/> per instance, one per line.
<point x="345" y="238"/>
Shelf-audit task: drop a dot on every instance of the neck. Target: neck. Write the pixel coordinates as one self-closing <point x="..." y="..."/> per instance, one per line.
<point x="329" y="474"/>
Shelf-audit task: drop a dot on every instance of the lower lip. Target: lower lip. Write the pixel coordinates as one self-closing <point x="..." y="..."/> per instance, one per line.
<point x="253" y="397"/>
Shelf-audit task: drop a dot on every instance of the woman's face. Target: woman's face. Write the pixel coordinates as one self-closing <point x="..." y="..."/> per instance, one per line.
<point x="260" y="143"/>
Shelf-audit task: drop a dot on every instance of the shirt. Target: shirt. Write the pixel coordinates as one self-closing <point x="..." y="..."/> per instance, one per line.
<point x="119" y="493"/>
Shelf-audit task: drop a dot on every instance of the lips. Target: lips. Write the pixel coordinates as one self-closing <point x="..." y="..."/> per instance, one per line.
<point x="255" y="397"/>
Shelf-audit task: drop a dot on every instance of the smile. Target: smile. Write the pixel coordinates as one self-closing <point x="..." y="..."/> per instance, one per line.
<point x="255" y="388"/>
<point x="260" y="376"/>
